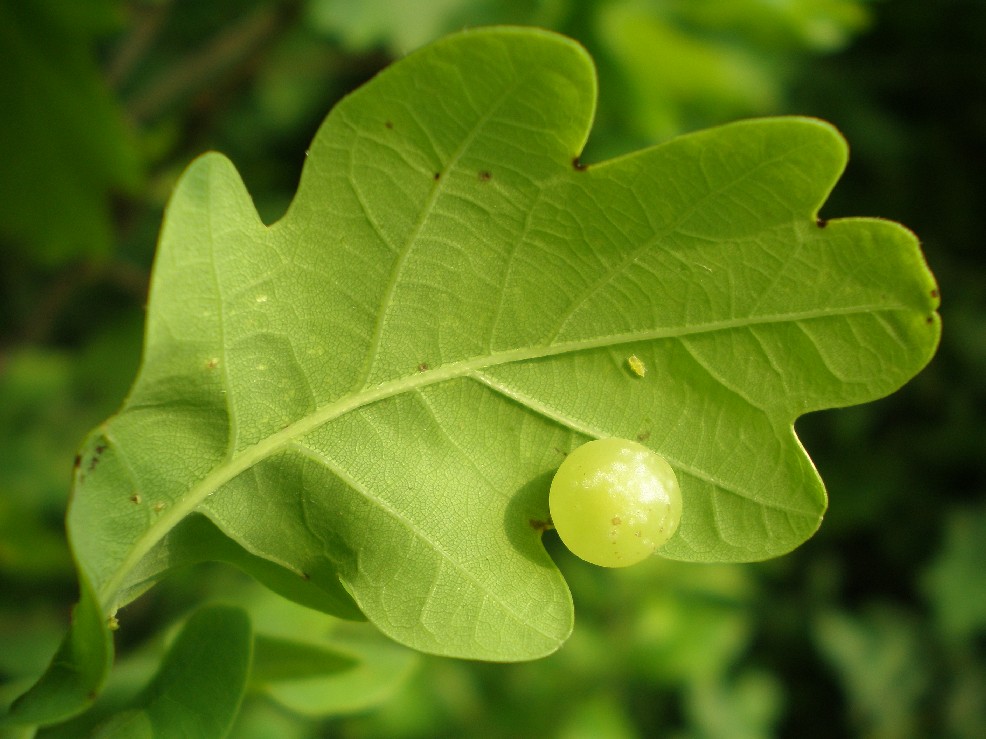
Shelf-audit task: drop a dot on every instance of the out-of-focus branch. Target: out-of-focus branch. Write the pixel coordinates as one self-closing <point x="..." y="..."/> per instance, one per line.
<point x="200" y="69"/>
<point x="135" y="44"/>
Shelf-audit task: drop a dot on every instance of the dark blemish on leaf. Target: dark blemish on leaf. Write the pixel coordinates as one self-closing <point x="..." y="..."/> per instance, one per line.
<point x="158" y="507"/>
<point x="616" y="521"/>
<point x="389" y="124"/>
<point x="485" y="175"/>
<point x="423" y="367"/>
<point x="821" y="222"/>
<point x="538" y="525"/>
<point x="212" y="363"/>
<point x="92" y="695"/>
<point x="579" y="167"/>
<point x="100" y="448"/>
<point x="438" y="176"/>
<point x="929" y="320"/>
<point x="643" y="436"/>
<point x="77" y="462"/>
<point x="305" y="576"/>
<point x="935" y="294"/>
<point x="135" y="498"/>
<point x="561" y="451"/>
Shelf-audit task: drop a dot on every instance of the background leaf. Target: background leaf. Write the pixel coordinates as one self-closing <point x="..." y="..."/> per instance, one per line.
<point x="76" y="673"/>
<point x="58" y="177"/>
<point x="378" y="386"/>
<point x="197" y="691"/>
<point x="881" y="666"/>
<point x="341" y="667"/>
<point x="301" y="657"/>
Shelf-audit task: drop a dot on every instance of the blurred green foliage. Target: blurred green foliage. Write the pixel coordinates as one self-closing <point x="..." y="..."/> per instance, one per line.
<point x="876" y="627"/>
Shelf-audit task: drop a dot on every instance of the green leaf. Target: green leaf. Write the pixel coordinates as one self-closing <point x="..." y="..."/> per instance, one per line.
<point x="284" y="659"/>
<point x="76" y="673"/>
<point x="129" y="724"/>
<point x="955" y="583"/>
<point x="378" y="387"/>
<point x="600" y="717"/>
<point x="742" y="708"/>
<point x="198" y="690"/>
<point x="58" y="176"/>
<point x="316" y="665"/>
<point x="883" y="666"/>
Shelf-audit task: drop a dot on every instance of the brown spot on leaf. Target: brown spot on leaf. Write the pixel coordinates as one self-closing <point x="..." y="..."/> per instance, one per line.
<point x="485" y="175"/>
<point x="616" y="521"/>
<point x="438" y="176"/>
<point x="423" y="367"/>
<point x="389" y="124"/>
<point x="821" y="222"/>
<point x="135" y="498"/>
<point x="305" y="576"/>
<point x="935" y="294"/>
<point x="579" y="167"/>
<point x="643" y="436"/>
<point x="77" y="462"/>
<point x="538" y="525"/>
<point x="97" y="452"/>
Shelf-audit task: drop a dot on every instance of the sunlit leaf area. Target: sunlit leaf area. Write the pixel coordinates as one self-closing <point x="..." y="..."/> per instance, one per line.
<point x="304" y="302"/>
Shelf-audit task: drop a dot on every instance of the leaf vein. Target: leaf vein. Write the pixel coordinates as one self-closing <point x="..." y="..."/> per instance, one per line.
<point x="336" y="469"/>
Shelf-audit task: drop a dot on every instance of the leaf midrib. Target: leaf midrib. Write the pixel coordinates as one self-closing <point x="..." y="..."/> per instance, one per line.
<point x="272" y="444"/>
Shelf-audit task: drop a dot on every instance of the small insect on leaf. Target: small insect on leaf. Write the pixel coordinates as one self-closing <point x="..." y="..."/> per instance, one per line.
<point x="636" y="365"/>
<point x="614" y="502"/>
